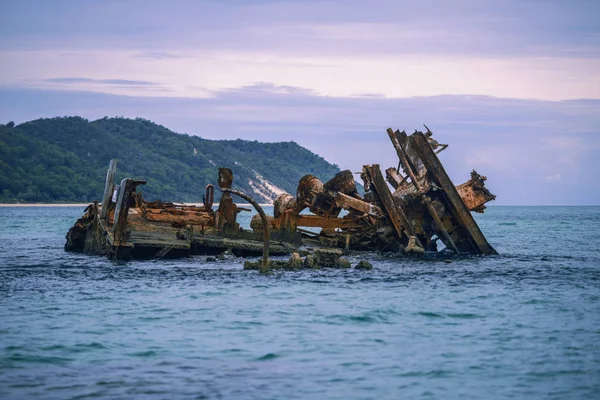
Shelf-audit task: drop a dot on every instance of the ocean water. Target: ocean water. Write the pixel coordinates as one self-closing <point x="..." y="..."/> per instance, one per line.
<point x="524" y="325"/>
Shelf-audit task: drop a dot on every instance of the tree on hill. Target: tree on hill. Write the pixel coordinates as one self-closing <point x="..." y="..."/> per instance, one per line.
<point x="65" y="160"/>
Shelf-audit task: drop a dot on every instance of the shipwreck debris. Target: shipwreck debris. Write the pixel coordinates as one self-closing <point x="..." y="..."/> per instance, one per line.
<point x="265" y="224"/>
<point x="413" y="209"/>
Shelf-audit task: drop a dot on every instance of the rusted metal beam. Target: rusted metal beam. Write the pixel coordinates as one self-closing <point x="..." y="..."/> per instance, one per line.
<point x="109" y="187"/>
<point x="393" y="177"/>
<point x="392" y="208"/>
<point x="126" y="188"/>
<point x="400" y="141"/>
<point x="397" y="142"/>
<point x="462" y="214"/>
<point x="226" y="220"/>
<point x="314" y="221"/>
<point x="180" y="217"/>
<point x="434" y="144"/>
<point x="349" y="202"/>
<point x="406" y="164"/>
<point x="266" y="230"/>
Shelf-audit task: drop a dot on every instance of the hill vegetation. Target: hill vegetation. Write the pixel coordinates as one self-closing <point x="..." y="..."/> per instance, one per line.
<point x="65" y="160"/>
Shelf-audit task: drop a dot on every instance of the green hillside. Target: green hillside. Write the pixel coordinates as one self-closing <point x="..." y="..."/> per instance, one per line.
<point x="65" y="160"/>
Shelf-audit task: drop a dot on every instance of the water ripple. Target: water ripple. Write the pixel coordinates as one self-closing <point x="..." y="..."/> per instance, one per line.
<point x="525" y="324"/>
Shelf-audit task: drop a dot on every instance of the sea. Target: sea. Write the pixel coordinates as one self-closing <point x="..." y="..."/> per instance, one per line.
<point x="521" y="325"/>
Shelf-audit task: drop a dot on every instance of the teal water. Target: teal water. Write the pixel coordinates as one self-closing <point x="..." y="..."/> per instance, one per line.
<point x="525" y="324"/>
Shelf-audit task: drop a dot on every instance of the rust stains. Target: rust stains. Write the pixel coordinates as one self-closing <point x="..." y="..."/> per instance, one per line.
<point x="413" y="209"/>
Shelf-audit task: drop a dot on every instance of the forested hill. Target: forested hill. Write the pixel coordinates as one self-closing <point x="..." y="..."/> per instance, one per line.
<point x="65" y="160"/>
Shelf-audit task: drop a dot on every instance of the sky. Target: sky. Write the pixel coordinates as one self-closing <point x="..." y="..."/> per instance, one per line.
<point x="512" y="86"/>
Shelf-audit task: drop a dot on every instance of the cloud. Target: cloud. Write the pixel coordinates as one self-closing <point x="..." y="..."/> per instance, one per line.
<point x="543" y="50"/>
<point x="392" y="77"/>
<point x="554" y="178"/>
<point x="331" y="75"/>
<point x="520" y="145"/>
<point x="159" y="55"/>
<point x="266" y="88"/>
<point x="341" y="27"/>
<point x="75" y="80"/>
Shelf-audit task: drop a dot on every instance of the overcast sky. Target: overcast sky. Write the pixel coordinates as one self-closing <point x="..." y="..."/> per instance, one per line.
<point x="512" y="86"/>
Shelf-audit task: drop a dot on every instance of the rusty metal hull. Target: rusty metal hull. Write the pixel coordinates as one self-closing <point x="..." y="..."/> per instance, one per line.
<point x="165" y="238"/>
<point x="423" y="210"/>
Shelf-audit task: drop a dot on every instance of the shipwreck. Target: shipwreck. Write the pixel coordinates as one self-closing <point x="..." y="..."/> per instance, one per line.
<point x="413" y="209"/>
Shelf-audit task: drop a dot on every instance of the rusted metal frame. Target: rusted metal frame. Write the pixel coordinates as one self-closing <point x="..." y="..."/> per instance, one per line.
<point x="227" y="215"/>
<point x="279" y="222"/>
<point x="442" y="147"/>
<point x="402" y="142"/>
<point x="434" y="144"/>
<point x="121" y="211"/>
<point x="126" y="188"/>
<point x="474" y="193"/>
<point x="104" y="230"/>
<point x="462" y="214"/>
<point x="394" y="137"/>
<point x="392" y="208"/>
<point x="404" y="179"/>
<point x="441" y="228"/>
<point x="397" y="139"/>
<point x="459" y="225"/>
<point x="286" y="225"/>
<point x="349" y="202"/>
<point x="342" y="182"/>
<point x="188" y="218"/>
<point x="394" y="178"/>
<point x="315" y="221"/>
<point x="209" y="197"/>
<point x="108" y="188"/>
<point x="266" y="229"/>
<point x="308" y="233"/>
<point x="407" y="165"/>
<point x="227" y="212"/>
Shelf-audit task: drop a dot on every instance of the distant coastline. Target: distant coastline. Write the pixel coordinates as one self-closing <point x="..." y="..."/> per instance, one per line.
<point x="43" y="205"/>
<point x="51" y="160"/>
<point x="86" y="204"/>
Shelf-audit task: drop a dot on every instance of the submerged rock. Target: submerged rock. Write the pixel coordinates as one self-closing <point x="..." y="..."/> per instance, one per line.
<point x="364" y="264"/>
<point x="327" y="257"/>
<point x="310" y="262"/>
<point x="295" y="262"/>
<point x="253" y="265"/>
<point x="343" y="263"/>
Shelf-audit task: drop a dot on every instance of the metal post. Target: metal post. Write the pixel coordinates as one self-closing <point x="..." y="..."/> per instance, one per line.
<point x="266" y="229"/>
<point x="108" y="188"/>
